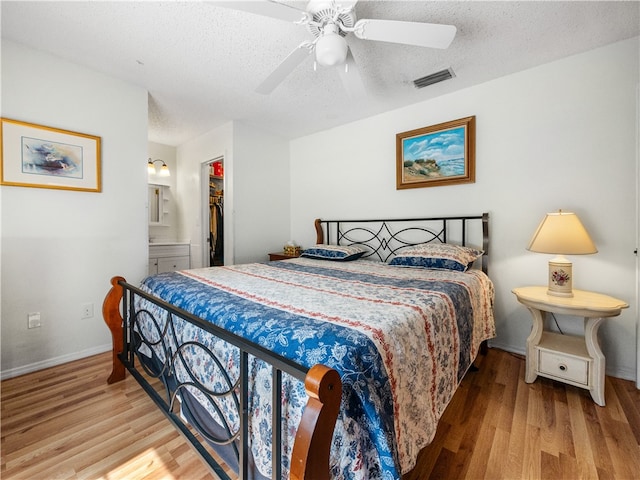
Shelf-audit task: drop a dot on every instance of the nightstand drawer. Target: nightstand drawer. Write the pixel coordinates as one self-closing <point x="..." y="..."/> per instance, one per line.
<point x="563" y="367"/>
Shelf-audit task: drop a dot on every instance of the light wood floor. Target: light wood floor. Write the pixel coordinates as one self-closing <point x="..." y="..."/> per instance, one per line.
<point x="66" y="422"/>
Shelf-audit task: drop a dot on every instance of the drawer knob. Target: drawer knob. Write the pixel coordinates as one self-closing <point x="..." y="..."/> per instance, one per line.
<point x="562" y="367"/>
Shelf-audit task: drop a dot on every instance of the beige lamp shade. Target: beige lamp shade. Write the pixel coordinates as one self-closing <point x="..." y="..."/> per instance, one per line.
<point x="561" y="233"/>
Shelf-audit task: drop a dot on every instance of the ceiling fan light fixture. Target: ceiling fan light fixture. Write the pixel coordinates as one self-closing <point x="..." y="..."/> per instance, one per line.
<point x="331" y="49"/>
<point x="329" y="22"/>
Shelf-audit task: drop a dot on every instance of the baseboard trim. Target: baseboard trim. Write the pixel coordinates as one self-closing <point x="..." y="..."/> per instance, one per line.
<point x="52" y="362"/>
<point x="623" y="373"/>
<point x="507" y="348"/>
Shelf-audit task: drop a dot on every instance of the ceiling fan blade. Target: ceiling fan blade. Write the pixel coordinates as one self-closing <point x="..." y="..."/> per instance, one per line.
<point x="266" y="8"/>
<point x="351" y="78"/>
<point x="430" y="35"/>
<point x="285" y="68"/>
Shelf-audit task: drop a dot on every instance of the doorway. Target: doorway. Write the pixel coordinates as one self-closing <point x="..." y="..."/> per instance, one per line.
<point x="213" y="212"/>
<point x="637" y="237"/>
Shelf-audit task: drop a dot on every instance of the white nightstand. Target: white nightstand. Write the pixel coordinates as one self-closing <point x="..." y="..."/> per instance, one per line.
<point x="567" y="358"/>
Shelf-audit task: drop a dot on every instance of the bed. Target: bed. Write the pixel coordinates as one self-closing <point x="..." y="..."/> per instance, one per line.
<point x="337" y="364"/>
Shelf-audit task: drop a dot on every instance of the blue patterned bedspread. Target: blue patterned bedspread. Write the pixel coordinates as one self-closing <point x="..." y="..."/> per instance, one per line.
<point x="401" y="339"/>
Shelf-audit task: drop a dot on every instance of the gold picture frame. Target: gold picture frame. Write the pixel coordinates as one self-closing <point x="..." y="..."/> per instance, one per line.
<point x="442" y="154"/>
<point x="37" y="156"/>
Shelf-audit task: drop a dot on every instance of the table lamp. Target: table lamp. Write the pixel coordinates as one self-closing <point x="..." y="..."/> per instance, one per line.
<point x="561" y="233"/>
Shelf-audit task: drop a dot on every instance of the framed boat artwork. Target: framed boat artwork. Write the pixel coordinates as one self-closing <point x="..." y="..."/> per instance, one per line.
<point x="442" y="154"/>
<point x="45" y="157"/>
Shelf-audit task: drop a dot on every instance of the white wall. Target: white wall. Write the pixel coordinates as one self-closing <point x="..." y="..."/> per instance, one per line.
<point x="261" y="193"/>
<point x="60" y="248"/>
<point x="256" y="191"/>
<point x="562" y="135"/>
<point x="190" y="156"/>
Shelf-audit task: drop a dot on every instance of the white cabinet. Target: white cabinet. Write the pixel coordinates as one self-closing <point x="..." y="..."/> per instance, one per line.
<point x="167" y="257"/>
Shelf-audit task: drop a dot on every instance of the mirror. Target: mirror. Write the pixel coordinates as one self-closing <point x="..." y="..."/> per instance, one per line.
<point x="156" y="213"/>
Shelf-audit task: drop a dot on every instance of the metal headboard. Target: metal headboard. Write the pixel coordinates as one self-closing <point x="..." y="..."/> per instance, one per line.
<point x="383" y="238"/>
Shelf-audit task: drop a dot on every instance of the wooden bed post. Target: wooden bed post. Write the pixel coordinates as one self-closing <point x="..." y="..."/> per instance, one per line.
<point x="113" y="319"/>
<point x="319" y="232"/>
<point x="310" y="456"/>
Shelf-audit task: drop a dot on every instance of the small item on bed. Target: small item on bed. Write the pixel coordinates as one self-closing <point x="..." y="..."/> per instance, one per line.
<point x="338" y="253"/>
<point x="437" y="256"/>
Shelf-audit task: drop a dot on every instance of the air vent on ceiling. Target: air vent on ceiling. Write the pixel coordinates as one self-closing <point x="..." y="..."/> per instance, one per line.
<point x="440" y="76"/>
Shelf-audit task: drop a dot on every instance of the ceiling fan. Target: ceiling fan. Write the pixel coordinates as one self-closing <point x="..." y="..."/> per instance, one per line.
<point x="330" y="21"/>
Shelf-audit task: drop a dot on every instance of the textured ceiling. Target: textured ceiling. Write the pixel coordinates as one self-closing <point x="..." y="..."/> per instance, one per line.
<point x="201" y="62"/>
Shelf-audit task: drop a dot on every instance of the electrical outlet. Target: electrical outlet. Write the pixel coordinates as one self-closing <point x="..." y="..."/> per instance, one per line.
<point x="33" y="320"/>
<point x="86" y="310"/>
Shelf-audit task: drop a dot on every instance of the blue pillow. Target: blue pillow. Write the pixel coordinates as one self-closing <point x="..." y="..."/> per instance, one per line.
<point x="337" y="253"/>
<point x="437" y="256"/>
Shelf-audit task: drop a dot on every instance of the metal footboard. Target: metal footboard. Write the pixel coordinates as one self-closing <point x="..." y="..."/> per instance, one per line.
<point x="152" y="349"/>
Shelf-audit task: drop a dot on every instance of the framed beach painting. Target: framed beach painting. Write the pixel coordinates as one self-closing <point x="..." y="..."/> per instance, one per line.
<point x="442" y="154"/>
<point x="44" y="157"/>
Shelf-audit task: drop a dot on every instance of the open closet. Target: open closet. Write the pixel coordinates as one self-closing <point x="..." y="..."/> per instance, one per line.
<point x="216" y="213"/>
